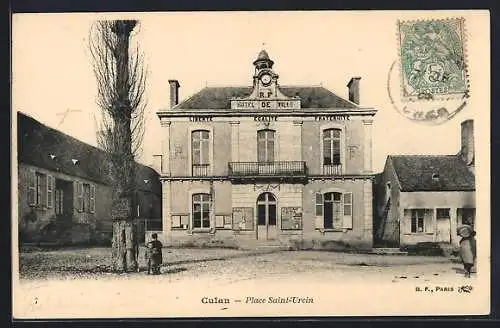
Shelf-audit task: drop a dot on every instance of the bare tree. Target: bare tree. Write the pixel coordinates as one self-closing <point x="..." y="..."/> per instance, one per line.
<point x="121" y="83"/>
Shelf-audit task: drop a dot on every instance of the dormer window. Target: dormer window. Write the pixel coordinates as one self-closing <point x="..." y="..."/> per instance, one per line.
<point x="435" y="176"/>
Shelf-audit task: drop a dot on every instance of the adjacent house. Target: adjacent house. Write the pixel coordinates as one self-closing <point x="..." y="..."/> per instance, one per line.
<point x="267" y="164"/>
<point x="422" y="198"/>
<point x="63" y="189"/>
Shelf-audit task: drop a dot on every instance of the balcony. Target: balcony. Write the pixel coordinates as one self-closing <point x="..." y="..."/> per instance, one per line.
<point x="332" y="169"/>
<point x="200" y="170"/>
<point x="283" y="170"/>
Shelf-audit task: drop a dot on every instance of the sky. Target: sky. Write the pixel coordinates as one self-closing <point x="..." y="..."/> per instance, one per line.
<point x="52" y="71"/>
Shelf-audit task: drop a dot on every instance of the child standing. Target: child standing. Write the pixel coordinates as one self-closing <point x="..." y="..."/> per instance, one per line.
<point x="156" y="254"/>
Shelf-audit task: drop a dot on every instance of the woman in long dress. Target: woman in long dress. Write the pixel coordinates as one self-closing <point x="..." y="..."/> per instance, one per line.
<point x="467" y="248"/>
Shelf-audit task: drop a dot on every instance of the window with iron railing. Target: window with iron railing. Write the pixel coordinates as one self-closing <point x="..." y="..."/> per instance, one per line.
<point x="332" y="164"/>
<point x="200" y="147"/>
<point x="265" y="145"/>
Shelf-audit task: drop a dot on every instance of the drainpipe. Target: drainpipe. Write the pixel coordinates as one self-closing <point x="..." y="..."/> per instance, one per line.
<point x="212" y="207"/>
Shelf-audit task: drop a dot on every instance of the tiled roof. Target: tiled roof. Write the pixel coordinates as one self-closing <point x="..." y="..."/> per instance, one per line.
<point x="415" y="173"/>
<point x="219" y="97"/>
<point x="37" y="142"/>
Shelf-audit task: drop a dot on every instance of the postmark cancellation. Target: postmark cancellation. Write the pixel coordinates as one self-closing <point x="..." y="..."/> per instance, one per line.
<point x="432" y="56"/>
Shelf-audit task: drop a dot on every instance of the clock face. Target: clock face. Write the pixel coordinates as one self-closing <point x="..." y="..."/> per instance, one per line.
<point x="266" y="79"/>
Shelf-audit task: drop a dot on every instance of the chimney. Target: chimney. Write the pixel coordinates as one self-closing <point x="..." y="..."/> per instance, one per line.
<point x="467" y="141"/>
<point x="353" y="86"/>
<point x="174" y="92"/>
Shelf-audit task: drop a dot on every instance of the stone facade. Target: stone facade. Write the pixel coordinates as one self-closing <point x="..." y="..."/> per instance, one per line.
<point x="64" y="195"/>
<point x="278" y="165"/>
<point x="424" y="198"/>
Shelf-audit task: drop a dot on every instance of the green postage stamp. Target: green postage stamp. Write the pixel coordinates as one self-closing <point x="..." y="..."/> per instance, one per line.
<point x="433" y="59"/>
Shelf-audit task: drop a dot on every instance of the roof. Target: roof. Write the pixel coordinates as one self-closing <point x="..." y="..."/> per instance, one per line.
<point x="37" y="142"/>
<point x="415" y="173"/>
<point x="220" y="97"/>
<point x="263" y="55"/>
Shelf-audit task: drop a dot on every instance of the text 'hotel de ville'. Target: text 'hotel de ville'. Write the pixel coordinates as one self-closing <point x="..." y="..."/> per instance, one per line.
<point x="267" y="164"/>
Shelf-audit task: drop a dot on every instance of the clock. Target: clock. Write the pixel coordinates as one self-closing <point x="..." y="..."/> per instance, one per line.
<point x="265" y="79"/>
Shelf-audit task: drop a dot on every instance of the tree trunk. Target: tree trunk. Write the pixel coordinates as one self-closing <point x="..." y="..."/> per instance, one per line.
<point x="124" y="252"/>
<point x="124" y="246"/>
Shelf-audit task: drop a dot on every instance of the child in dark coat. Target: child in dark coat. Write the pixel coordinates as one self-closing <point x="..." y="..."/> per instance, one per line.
<point x="467" y="248"/>
<point x="155" y="255"/>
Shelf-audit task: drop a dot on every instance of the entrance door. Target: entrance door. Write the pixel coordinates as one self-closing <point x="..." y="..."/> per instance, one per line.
<point x="443" y="234"/>
<point x="266" y="217"/>
<point x="443" y="223"/>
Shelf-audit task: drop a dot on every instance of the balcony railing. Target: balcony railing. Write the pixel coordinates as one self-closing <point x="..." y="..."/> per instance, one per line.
<point x="334" y="169"/>
<point x="200" y="170"/>
<point x="268" y="169"/>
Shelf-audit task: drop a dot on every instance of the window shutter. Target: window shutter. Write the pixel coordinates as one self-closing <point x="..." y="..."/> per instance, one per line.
<point x="31" y="188"/>
<point x="79" y="196"/>
<point x="43" y="190"/>
<point x="347" y="222"/>
<point x="50" y="188"/>
<point x="320" y="222"/>
<point x="92" y="198"/>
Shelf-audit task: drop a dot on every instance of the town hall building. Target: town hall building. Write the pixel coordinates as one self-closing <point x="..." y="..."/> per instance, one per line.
<point x="267" y="165"/>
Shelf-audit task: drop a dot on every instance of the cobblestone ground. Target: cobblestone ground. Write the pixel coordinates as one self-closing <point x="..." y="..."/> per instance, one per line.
<point x="194" y="282"/>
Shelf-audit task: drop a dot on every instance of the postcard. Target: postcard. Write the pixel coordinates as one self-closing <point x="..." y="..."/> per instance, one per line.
<point x="251" y="164"/>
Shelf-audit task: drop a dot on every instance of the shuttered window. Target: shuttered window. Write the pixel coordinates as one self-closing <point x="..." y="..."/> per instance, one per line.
<point x="31" y="188"/>
<point x="92" y="198"/>
<point x="41" y="185"/>
<point x="50" y="191"/>
<point x="334" y="211"/>
<point x="79" y="195"/>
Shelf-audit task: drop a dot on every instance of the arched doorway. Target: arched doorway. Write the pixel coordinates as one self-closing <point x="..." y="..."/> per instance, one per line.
<point x="266" y="216"/>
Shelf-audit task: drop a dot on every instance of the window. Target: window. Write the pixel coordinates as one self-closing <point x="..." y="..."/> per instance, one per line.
<point x="417" y="220"/>
<point x="466" y="216"/>
<point x="41" y="185"/>
<point x="200" y="152"/>
<point x="201" y="211"/>
<point x="85" y="193"/>
<point x="442" y="213"/>
<point x="334" y="210"/>
<point x="265" y="145"/>
<point x="50" y="190"/>
<point x="59" y="195"/>
<point x="92" y="198"/>
<point x="266" y="209"/>
<point x="331" y="147"/>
